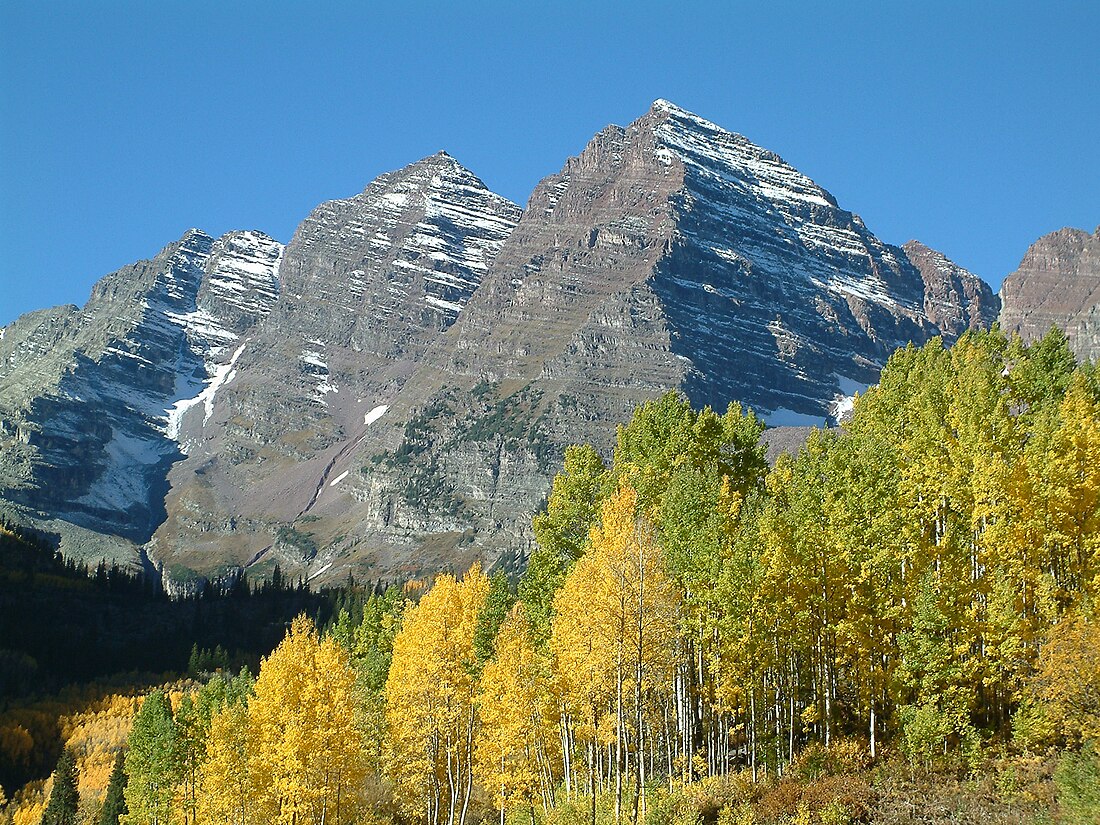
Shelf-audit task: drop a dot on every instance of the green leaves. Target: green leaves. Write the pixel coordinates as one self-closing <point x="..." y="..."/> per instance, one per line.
<point x="562" y="531"/>
<point x="153" y="763"/>
<point x="496" y="607"/>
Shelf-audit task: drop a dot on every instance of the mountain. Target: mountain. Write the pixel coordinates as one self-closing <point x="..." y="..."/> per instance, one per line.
<point x="668" y="255"/>
<point x="392" y="392"/>
<point x="368" y="283"/>
<point x="91" y="399"/>
<point x="675" y="254"/>
<point x="955" y="300"/>
<point x="1057" y="284"/>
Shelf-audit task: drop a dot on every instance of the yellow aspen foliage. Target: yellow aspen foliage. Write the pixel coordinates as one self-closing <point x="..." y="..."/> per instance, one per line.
<point x="96" y="735"/>
<point x="617" y="610"/>
<point x="430" y="700"/>
<point x="305" y="740"/>
<point x="29" y="813"/>
<point x="1070" y="474"/>
<point x="28" y="805"/>
<point x="584" y="636"/>
<point x="1067" y="684"/>
<point x="517" y="748"/>
<point x="615" y="622"/>
<point x="225" y="779"/>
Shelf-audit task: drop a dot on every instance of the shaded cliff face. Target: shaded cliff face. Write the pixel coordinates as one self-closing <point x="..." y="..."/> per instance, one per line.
<point x="1057" y="284"/>
<point x="90" y="399"/>
<point x="955" y="300"/>
<point x="777" y="297"/>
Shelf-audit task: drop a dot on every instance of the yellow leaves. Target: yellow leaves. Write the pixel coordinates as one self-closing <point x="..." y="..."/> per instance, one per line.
<point x="305" y="741"/>
<point x="1074" y="504"/>
<point x="226" y="780"/>
<point x="730" y="500"/>
<point x="295" y="752"/>
<point x="30" y="813"/>
<point x="516" y="711"/>
<point x="94" y="729"/>
<point x="96" y="735"/>
<point x="616" y="611"/>
<point x="16" y="742"/>
<point x="1068" y="681"/>
<point x="431" y="688"/>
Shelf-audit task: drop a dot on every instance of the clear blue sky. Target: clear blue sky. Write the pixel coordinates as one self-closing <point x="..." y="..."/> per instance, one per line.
<point x="971" y="126"/>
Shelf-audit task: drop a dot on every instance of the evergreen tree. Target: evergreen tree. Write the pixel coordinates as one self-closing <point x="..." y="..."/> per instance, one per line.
<point x="114" y="804"/>
<point x="62" y="807"/>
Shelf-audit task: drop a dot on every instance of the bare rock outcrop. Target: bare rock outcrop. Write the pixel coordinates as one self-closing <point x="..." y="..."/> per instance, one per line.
<point x="955" y="300"/>
<point x="1057" y="284"/>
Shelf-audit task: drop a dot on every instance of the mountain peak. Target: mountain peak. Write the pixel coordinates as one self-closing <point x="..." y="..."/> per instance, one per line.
<point x="955" y="299"/>
<point x="194" y="233"/>
<point x="440" y="158"/>
<point x="670" y="254"/>
<point x="668" y="108"/>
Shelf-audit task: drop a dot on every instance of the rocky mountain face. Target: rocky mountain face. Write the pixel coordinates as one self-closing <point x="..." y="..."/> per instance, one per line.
<point x="669" y="254"/>
<point x="391" y="393"/>
<point x="1057" y="284"/>
<point x="955" y="300"/>
<point x="368" y="283"/>
<point x="91" y="399"/>
<point x="675" y="254"/>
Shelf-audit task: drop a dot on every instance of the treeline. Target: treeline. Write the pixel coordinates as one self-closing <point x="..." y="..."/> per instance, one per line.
<point x="67" y="627"/>
<point x="25" y="557"/>
<point x="64" y="622"/>
<point x="918" y="585"/>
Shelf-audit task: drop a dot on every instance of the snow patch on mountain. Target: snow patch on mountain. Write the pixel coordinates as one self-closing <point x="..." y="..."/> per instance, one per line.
<point x="222" y="374"/>
<point x="315" y="366"/>
<point x="375" y="414"/>
<point x="124" y="478"/>
<point x="843" y="403"/>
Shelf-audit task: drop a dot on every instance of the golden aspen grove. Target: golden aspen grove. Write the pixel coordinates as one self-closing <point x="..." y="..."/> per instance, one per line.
<point x="908" y="605"/>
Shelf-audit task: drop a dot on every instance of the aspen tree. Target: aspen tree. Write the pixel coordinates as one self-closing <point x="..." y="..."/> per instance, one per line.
<point x="152" y="764"/>
<point x="305" y="740"/>
<point x="613" y="620"/>
<point x="516" y="749"/>
<point x="430" y="700"/>
<point x="227" y="777"/>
